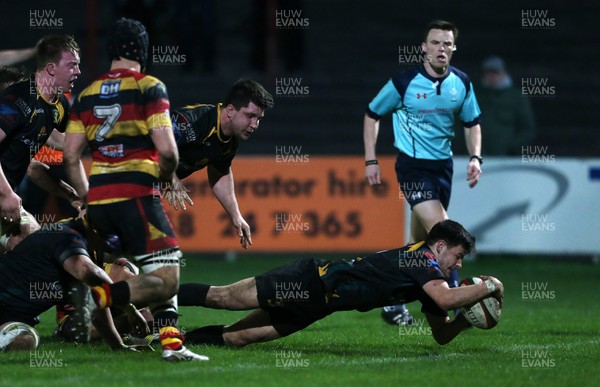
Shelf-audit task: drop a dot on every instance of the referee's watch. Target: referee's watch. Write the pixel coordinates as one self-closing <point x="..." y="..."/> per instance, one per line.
<point x="478" y="159"/>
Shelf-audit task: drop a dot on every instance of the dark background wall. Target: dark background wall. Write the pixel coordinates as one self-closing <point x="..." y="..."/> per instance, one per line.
<point x="342" y="55"/>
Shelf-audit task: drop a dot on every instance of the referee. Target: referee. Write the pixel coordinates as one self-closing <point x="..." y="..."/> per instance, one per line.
<point x="424" y="101"/>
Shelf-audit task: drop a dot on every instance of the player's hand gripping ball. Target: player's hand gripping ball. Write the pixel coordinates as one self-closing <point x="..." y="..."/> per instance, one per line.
<point x="485" y="314"/>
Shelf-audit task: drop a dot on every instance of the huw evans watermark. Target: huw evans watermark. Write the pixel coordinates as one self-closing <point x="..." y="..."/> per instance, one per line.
<point x="290" y="223"/>
<point x="537" y="154"/>
<point x="410" y="55"/>
<point x="290" y="359"/>
<point x="167" y="55"/>
<point x="531" y="222"/>
<point x="414" y="190"/>
<point x="537" y="19"/>
<point x="537" y="87"/>
<point x="291" y="87"/>
<point x="537" y="291"/>
<point x="288" y="154"/>
<point x="291" y="19"/>
<point x="419" y="327"/>
<point x="44" y="86"/>
<point x="42" y="291"/>
<point x="45" y="19"/>
<point x="291" y="291"/>
<point x="46" y="359"/>
<point x="535" y="358"/>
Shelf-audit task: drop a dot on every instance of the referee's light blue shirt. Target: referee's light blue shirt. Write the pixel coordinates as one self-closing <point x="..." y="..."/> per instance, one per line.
<point x="424" y="110"/>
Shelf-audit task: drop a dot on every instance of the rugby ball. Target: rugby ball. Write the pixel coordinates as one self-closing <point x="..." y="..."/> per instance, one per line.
<point x="485" y="314"/>
<point x="10" y="331"/>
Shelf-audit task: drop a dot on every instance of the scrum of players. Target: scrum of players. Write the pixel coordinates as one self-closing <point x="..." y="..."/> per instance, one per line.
<point x="77" y="264"/>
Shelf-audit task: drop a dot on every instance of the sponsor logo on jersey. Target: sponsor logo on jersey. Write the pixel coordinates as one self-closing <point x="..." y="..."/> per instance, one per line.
<point x="112" y="150"/>
<point x="110" y="89"/>
<point x="21" y="104"/>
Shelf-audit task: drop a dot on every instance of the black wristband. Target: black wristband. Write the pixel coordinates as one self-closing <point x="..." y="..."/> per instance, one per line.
<point x="371" y="162"/>
<point x="478" y="159"/>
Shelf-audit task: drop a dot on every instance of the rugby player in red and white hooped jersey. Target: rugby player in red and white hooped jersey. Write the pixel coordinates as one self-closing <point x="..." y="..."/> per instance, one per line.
<point x="123" y="117"/>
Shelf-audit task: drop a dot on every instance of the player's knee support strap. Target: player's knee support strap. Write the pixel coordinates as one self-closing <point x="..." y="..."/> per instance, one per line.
<point x="154" y="261"/>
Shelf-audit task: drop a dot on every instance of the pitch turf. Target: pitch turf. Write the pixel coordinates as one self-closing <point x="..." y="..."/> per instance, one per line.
<point x="549" y="335"/>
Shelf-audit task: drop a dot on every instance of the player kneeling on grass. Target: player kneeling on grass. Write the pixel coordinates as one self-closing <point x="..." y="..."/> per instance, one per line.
<point x="119" y="269"/>
<point x="49" y="267"/>
<point x="292" y="297"/>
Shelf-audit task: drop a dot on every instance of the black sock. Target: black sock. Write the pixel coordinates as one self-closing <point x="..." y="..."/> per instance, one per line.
<point x="211" y="335"/>
<point x="119" y="292"/>
<point x="192" y="294"/>
<point x="164" y="316"/>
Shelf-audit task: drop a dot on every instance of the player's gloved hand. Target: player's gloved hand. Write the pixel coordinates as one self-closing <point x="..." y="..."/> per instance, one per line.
<point x="175" y="192"/>
<point x="496" y="286"/>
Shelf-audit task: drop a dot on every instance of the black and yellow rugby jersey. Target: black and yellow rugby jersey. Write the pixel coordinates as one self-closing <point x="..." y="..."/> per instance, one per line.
<point x="200" y="141"/>
<point x="32" y="277"/>
<point x="385" y="278"/>
<point x="27" y="119"/>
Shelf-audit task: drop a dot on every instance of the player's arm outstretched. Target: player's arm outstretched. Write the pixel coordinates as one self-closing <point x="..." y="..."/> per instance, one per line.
<point x="452" y="298"/>
<point x="223" y="188"/>
<point x="444" y="329"/>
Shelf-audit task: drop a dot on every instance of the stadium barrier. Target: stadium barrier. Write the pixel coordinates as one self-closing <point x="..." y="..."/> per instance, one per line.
<point x="532" y="204"/>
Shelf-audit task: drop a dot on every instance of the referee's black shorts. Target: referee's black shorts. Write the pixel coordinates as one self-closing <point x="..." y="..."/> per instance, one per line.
<point x="421" y="180"/>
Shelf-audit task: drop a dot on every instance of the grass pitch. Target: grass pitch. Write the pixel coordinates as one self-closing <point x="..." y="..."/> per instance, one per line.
<point x="549" y="334"/>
